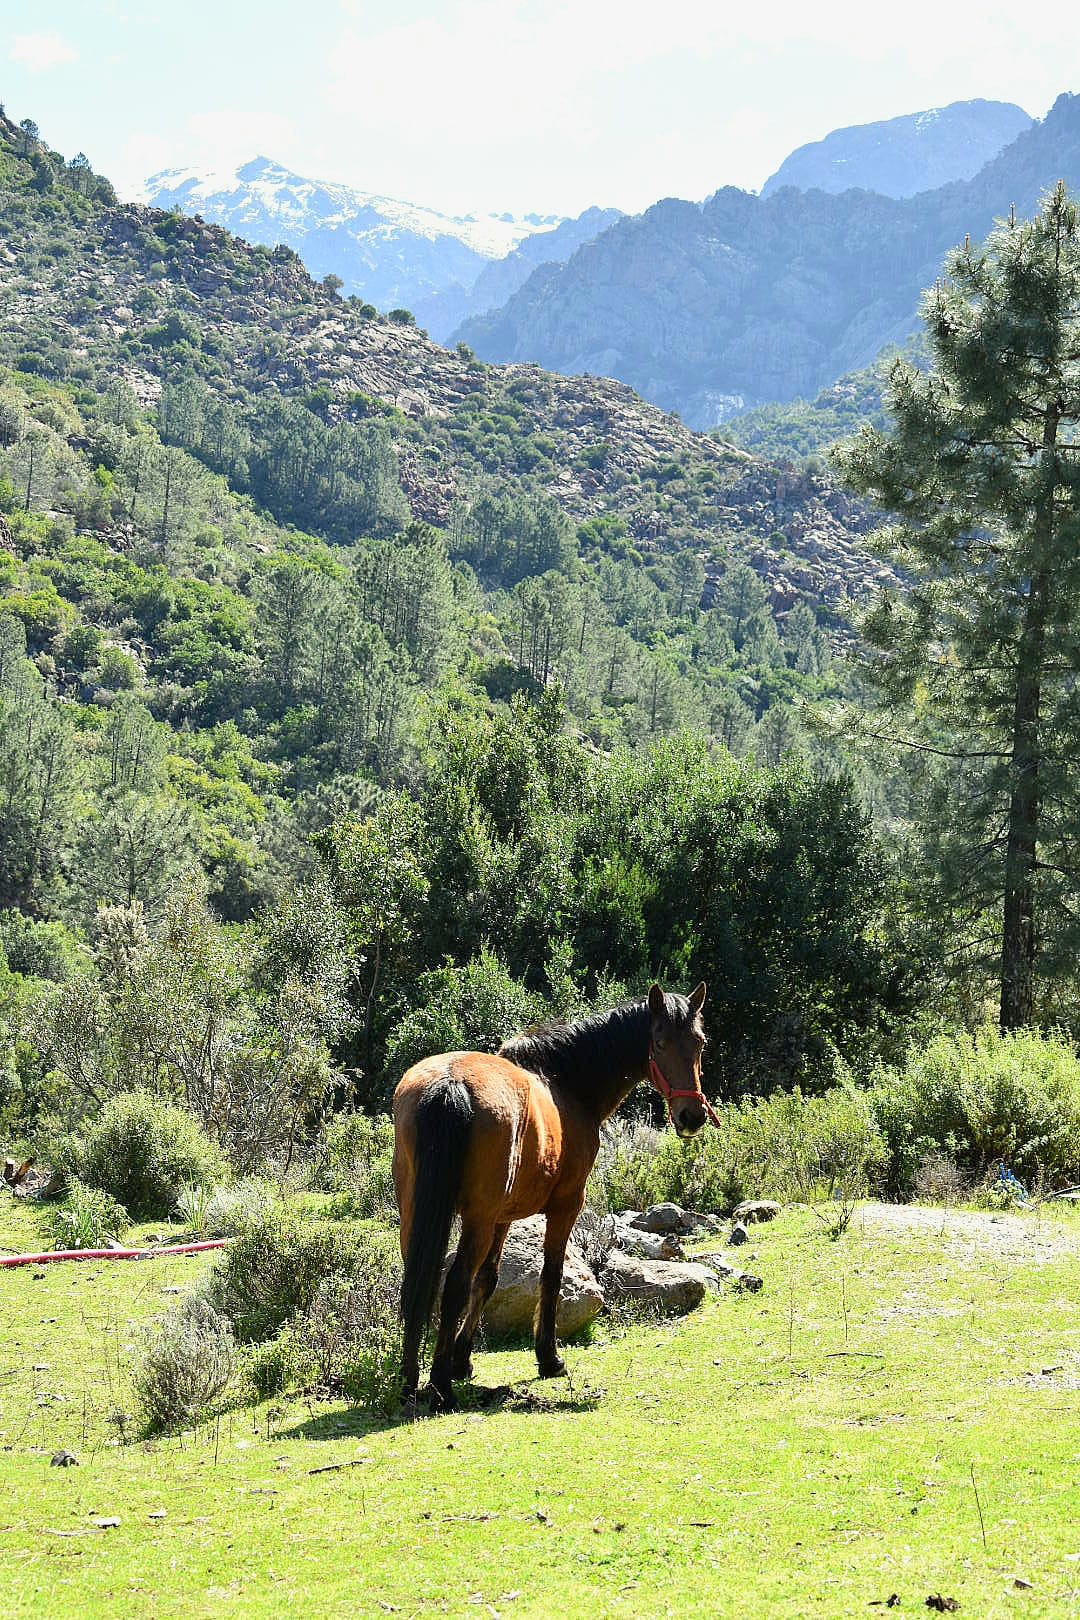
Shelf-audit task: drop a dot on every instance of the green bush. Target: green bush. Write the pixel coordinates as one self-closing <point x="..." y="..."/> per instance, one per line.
<point x="274" y="1269"/>
<point x="472" y="1008"/>
<point x="982" y="1098"/>
<point x="185" y="1365"/>
<point x="790" y="1147"/>
<point x="318" y="1302"/>
<point x="356" y="1163"/>
<point x="143" y="1150"/>
<point x="88" y="1218"/>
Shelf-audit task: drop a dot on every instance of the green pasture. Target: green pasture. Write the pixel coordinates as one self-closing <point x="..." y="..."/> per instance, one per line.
<point x="895" y="1413"/>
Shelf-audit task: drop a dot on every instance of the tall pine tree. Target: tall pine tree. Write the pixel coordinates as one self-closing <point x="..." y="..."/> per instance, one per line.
<point x="981" y="658"/>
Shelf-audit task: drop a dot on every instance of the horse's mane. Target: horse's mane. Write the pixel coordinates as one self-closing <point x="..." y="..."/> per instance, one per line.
<point x="605" y="1045"/>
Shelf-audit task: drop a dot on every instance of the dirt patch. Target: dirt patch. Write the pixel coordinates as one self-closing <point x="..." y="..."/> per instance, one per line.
<point x="1035" y="1238"/>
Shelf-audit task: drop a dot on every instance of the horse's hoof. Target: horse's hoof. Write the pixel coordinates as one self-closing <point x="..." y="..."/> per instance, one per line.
<point x="556" y="1368"/>
<point x="439" y="1400"/>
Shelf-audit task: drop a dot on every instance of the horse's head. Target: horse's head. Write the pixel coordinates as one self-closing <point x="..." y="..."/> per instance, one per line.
<point x="677" y="1043"/>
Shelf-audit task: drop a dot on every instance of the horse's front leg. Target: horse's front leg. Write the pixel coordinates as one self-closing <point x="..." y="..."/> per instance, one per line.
<point x="484" y="1285"/>
<point x="560" y="1223"/>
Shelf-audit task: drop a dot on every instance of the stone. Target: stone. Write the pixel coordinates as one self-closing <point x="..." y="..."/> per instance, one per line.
<point x="647" y="1245"/>
<point x="661" y="1218"/>
<point x="63" y="1459"/>
<point x="512" y="1307"/>
<point x="672" y="1286"/>
<point x="728" y="1272"/>
<point x="756" y="1209"/>
<point x="737" y="1235"/>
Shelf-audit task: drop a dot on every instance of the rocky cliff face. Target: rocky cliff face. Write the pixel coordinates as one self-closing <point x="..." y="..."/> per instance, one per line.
<point x="709" y="308"/>
<point x="902" y="156"/>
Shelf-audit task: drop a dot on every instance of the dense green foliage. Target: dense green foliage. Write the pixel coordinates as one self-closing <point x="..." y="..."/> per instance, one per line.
<point x="975" y="664"/>
<point x="141" y="1151"/>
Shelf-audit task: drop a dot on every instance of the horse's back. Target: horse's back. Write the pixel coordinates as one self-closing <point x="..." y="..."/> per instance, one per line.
<point x="516" y="1138"/>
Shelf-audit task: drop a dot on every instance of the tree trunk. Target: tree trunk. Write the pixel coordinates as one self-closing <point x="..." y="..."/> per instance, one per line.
<point x="1018" y="922"/>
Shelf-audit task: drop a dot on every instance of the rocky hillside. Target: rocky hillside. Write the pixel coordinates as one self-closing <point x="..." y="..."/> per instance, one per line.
<point x="710" y="308"/>
<point x="902" y="156"/>
<point x="155" y="297"/>
<point x="387" y="252"/>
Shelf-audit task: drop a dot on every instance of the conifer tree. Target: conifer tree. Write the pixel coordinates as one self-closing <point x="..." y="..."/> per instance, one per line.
<point x="981" y="657"/>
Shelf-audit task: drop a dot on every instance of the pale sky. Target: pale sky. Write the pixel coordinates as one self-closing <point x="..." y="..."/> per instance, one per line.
<point x="520" y="105"/>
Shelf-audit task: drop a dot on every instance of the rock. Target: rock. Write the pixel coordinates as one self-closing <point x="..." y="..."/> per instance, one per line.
<point x="647" y="1245"/>
<point x="728" y="1272"/>
<point x="661" y="1218"/>
<point x="738" y="1234"/>
<point x="63" y="1459"/>
<point x="512" y="1306"/>
<point x="756" y="1209"/>
<point x="673" y="1286"/>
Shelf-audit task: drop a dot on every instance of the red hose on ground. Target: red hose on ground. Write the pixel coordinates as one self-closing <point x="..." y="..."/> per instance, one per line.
<point x="111" y="1254"/>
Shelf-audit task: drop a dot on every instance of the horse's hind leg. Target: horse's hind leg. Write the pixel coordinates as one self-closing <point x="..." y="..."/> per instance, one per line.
<point x="560" y="1223"/>
<point x="482" y="1289"/>
<point x="471" y="1252"/>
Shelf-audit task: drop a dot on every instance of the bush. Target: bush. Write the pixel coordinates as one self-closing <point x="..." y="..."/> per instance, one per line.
<point x="472" y="1008"/>
<point x="356" y="1163"/>
<point x="790" y="1147"/>
<point x="981" y="1099"/>
<point x="186" y="1364"/>
<point x="318" y="1302"/>
<point x="224" y="1211"/>
<point x="142" y="1150"/>
<point x="273" y="1271"/>
<point x="87" y="1219"/>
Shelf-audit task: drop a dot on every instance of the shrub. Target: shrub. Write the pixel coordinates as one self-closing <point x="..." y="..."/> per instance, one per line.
<point x="88" y="1218"/>
<point x="142" y="1150"/>
<point x="186" y="1364"/>
<point x="225" y="1211"/>
<point x="981" y="1099"/>
<point x="272" y="1272"/>
<point x="790" y="1147"/>
<point x="318" y="1302"/>
<point x="356" y="1163"/>
<point x="474" y="1007"/>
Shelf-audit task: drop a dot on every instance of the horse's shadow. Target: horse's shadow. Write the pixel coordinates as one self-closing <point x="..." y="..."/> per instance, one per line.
<point x="522" y="1397"/>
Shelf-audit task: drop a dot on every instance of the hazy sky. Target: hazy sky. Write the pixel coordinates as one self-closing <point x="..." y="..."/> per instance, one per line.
<point x="479" y="105"/>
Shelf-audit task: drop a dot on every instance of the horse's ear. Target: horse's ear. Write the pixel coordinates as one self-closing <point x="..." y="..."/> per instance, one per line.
<point x="697" y="998"/>
<point x="656" y="1001"/>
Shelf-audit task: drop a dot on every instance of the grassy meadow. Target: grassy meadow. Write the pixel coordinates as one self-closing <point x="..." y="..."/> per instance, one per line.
<point x="808" y="1450"/>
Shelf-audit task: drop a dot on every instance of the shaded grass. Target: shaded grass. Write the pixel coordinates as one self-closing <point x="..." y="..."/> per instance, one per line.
<point x="806" y="1450"/>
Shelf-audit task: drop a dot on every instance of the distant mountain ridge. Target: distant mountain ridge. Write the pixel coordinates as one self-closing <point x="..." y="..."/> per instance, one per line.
<point x="392" y="254"/>
<point x="902" y="156"/>
<point x="709" y="308"/>
<point x="388" y="252"/>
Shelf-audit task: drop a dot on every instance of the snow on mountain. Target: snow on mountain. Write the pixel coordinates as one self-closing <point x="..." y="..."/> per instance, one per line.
<point x="387" y="251"/>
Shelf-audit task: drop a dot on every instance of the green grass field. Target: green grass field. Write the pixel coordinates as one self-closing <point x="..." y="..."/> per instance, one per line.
<point x="808" y="1450"/>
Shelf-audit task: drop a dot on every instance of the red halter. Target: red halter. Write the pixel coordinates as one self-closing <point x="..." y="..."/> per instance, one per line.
<point x="660" y="1081"/>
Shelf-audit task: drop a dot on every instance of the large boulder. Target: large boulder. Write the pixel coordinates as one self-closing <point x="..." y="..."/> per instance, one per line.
<point x="671" y="1286"/>
<point x="756" y="1209"/>
<point x="512" y="1306"/>
<point x="661" y="1218"/>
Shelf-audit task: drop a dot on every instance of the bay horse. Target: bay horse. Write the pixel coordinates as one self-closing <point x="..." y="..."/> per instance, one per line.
<point x="496" y="1138"/>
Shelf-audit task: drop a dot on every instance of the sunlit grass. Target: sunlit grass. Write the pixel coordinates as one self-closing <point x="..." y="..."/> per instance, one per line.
<point x="808" y="1450"/>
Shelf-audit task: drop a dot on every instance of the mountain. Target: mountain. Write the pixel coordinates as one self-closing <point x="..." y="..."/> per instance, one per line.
<point x="266" y="374"/>
<point x="501" y="278"/>
<point x="389" y="253"/>
<point x="902" y="156"/>
<point x="709" y="308"/>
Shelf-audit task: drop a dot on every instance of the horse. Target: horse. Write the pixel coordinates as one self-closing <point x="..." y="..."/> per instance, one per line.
<point x="496" y="1138"/>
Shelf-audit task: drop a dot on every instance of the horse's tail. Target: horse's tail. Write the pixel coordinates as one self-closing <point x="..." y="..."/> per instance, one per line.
<point x="443" y="1122"/>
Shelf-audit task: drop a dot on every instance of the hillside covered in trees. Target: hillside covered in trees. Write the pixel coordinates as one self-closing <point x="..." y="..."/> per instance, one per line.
<point x="343" y="676"/>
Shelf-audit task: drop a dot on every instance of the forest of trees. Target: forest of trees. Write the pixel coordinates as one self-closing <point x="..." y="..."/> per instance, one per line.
<point x="295" y="786"/>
